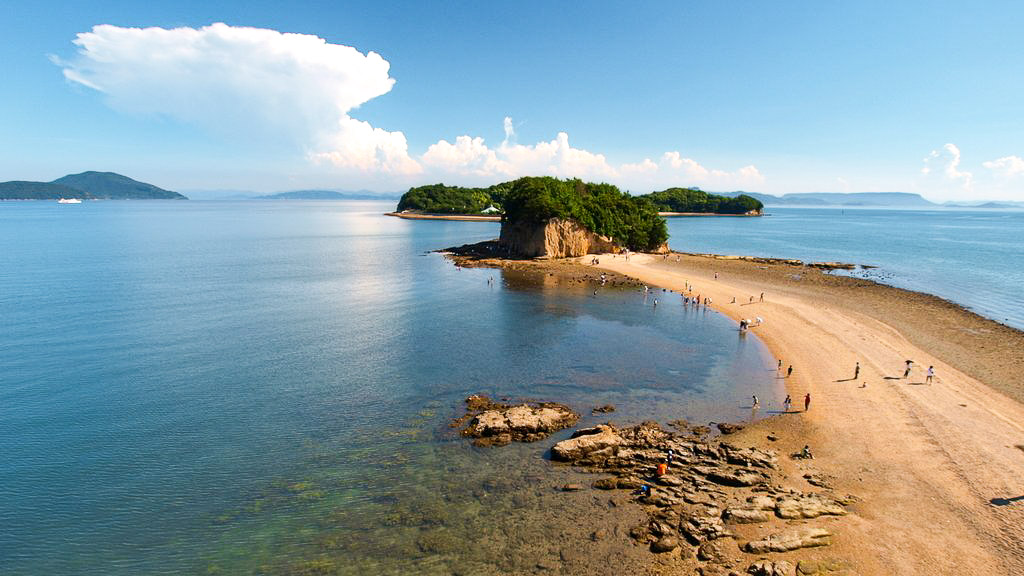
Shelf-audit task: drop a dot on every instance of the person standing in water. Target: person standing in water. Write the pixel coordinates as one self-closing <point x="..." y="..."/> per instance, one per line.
<point x="757" y="404"/>
<point x="787" y="403"/>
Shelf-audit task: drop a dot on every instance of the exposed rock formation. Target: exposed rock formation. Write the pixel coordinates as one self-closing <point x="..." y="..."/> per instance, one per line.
<point x="556" y="238"/>
<point x="769" y="568"/>
<point x="808" y="506"/>
<point x="497" y="424"/>
<point x="705" y="496"/>
<point x="786" y="541"/>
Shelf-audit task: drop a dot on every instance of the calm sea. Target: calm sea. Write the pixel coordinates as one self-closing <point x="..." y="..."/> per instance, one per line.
<point x="972" y="257"/>
<point x="266" y="387"/>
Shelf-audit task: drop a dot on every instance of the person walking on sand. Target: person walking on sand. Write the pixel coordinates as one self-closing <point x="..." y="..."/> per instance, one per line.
<point x="931" y="374"/>
<point x="789" y="371"/>
<point x="906" y="373"/>
<point x="856" y="371"/>
<point x="762" y="297"/>
<point x="807" y="402"/>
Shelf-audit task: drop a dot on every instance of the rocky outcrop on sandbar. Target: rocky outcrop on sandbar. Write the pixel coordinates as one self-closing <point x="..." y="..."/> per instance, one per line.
<point x="703" y="498"/>
<point x="769" y="568"/>
<point x="556" y="238"/>
<point x="496" y="424"/>
<point x="792" y="540"/>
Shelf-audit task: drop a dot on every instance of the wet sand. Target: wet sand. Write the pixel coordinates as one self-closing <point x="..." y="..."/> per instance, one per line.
<point x="937" y="467"/>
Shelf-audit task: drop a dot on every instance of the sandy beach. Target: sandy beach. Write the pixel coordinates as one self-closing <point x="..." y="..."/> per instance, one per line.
<point x="938" y="468"/>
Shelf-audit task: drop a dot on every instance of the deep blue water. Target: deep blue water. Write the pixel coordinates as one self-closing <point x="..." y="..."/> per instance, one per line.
<point x="265" y="388"/>
<point x="972" y="257"/>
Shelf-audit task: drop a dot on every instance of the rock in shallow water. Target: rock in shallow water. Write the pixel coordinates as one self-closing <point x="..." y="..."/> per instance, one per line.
<point x="497" y="424"/>
<point x="586" y="442"/>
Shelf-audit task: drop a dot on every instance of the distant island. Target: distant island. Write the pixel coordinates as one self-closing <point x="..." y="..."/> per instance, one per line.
<point x="548" y="217"/>
<point x="86" y="186"/>
<point x="696" y="201"/>
<point x="442" y="199"/>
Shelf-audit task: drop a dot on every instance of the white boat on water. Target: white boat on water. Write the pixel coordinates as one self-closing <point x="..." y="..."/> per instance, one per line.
<point x="69" y="201"/>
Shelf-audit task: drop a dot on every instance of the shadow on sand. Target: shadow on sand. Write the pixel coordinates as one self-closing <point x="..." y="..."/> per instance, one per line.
<point x="1005" y="501"/>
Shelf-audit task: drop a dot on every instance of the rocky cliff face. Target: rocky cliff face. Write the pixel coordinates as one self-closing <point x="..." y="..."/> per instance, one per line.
<point x="557" y="238"/>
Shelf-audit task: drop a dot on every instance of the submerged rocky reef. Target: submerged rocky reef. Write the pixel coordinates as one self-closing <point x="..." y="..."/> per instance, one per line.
<point x="710" y="504"/>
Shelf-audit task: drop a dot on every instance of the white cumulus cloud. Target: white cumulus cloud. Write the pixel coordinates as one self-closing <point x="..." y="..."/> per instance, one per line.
<point x="247" y="83"/>
<point x="1006" y="167"/>
<point x="471" y="157"/>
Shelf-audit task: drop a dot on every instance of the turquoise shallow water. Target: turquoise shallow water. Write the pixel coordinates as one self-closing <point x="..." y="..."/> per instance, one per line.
<point x="972" y="257"/>
<point x="264" y="388"/>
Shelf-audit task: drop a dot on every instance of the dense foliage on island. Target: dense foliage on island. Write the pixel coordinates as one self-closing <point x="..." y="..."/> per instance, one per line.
<point x="601" y="208"/>
<point x="86" y="186"/>
<point x="441" y="199"/>
<point x="25" y="190"/>
<point x="632" y="221"/>
<point x="695" y="200"/>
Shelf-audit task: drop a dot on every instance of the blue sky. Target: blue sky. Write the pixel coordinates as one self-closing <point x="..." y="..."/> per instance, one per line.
<point x="768" y="97"/>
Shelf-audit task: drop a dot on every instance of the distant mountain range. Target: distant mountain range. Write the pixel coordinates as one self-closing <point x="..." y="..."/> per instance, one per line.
<point x="86" y="186"/>
<point x="867" y="199"/>
<point x="900" y="199"/>
<point x="326" y="195"/>
<point x="1005" y="204"/>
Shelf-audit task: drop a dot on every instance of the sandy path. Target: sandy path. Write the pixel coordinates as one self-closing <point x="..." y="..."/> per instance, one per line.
<point x="927" y="460"/>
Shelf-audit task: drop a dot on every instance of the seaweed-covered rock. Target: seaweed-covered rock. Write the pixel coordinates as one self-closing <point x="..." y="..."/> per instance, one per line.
<point x="729" y="427"/>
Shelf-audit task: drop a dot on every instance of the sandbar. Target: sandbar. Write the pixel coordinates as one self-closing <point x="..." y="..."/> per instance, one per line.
<point x="938" y="469"/>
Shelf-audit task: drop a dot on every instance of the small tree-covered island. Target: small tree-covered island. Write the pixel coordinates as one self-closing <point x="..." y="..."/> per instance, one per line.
<point x="545" y="216"/>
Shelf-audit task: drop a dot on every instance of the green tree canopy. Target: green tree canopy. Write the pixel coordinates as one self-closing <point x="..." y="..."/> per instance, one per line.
<point x="696" y="200"/>
<point x="601" y="208"/>
<point x="442" y="199"/>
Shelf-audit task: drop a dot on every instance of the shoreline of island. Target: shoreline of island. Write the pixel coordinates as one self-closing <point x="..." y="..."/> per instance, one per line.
<point x="483" y="218"/>
<point x="927" y="463"/>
